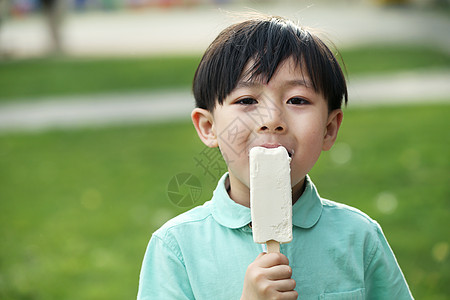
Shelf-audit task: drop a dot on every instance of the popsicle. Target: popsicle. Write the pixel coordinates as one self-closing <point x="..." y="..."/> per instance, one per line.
<point x="270" y="196"/>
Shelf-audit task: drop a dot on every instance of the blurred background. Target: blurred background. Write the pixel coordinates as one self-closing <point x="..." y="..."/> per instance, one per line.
<point x="96" y="145"/>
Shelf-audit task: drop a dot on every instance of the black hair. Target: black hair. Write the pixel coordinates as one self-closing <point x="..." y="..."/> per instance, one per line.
<point x="267" y="41"/>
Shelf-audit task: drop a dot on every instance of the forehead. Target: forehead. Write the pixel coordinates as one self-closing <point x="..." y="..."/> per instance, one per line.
<point x="288" y="72"/>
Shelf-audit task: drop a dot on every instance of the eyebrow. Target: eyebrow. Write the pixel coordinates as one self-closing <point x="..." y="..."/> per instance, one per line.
<point x="296" y="82"/>
<point x="289" y="83"/>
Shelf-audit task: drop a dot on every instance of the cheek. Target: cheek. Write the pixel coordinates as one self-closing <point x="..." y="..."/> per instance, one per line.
<point x="234" y="139"/>
<point x="310" y="141"/>
<point x="311" y="131"/>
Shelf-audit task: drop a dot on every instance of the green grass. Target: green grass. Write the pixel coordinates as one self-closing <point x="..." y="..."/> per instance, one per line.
<point x="37" y="78"/>
<point x="78" y="207"/>
<point x="384" y="59"/>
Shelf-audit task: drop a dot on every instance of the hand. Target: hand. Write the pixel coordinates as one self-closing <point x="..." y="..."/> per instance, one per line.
<point x="269" y="277"/>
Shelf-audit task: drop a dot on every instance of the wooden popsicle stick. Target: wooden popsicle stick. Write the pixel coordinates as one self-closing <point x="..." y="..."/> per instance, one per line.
<point x="273" y="246"/>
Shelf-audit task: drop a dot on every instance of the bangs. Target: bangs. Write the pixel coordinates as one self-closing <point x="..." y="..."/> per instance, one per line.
<point x="280" y="43"/>
<point x="265" y="44"/>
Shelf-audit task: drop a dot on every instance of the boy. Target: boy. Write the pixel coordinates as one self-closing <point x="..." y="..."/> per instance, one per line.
<point x="268" y="82"/>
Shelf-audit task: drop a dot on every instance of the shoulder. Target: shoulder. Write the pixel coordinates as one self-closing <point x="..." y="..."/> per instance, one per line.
<point x="194" y="217"/>
<point x="349" y="215"/>
<point x="347" y="210"/>
<point x="353" y="226"/>
<point x="178" y="234"/>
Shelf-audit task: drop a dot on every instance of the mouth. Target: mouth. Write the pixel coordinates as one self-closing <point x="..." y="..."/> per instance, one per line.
<point x="289" y="151"/>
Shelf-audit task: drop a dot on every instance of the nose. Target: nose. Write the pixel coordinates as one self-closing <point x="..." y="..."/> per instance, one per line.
<point x="273" y="123"/>
<point x="272" y="129"/>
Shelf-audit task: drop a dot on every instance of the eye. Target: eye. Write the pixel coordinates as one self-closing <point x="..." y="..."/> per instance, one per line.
<point x="297" y="101"/>
<point x="246" y="101"/>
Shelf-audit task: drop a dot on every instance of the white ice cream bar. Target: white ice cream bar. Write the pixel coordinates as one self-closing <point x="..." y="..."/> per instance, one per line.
<point x="270" y="194"/>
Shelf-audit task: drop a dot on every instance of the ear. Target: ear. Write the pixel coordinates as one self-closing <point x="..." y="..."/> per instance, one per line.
<point x="333" y="123"/>
<point x="204" y="124"/>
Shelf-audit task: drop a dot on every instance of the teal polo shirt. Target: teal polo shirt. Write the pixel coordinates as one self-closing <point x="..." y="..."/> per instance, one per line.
<point x="337" y="252"/>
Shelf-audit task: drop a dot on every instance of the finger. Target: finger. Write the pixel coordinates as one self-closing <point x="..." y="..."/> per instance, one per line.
<point x="259" y="260"/>
<point x="272" y="259"/>
<point x="279" y="272"/>
<point x="285" y="285"/>
<point x="291" y="295"/>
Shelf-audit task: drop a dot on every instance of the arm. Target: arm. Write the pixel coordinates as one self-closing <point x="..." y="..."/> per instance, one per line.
<point x="383" y="276"/>
<point x="163" y="274"/>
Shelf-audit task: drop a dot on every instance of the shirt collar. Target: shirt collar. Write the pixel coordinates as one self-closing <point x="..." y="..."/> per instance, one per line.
<point x="227" y="212"/>
<point x="305" y="212"/>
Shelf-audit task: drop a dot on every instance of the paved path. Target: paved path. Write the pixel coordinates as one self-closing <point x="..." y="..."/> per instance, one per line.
<point x="128" y="108"/>
<point x="192" y="29"/>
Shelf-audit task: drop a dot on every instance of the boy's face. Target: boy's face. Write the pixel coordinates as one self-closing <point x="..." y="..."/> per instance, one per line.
<point x="285" y="111"/>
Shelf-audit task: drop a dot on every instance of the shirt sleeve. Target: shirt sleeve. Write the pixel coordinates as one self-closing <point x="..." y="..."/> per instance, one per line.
<point x="383" y="276"/>
<point x="163" y="274"/>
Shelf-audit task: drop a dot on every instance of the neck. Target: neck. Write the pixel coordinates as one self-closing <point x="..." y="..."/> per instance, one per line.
<point x="238" y="192"/>
<point x="298" y="189"/>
